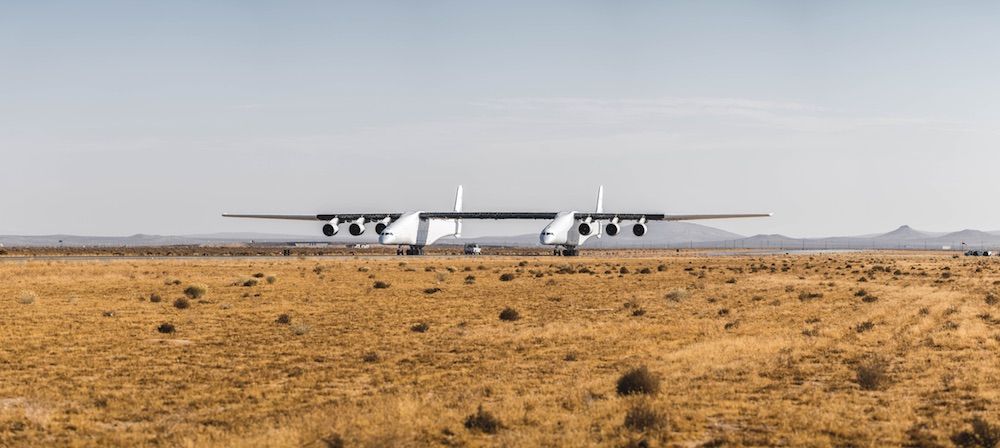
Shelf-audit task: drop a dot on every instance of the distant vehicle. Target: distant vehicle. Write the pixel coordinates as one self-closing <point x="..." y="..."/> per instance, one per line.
<point x="473" y="249"/>
<point x="566" y="230"/>
<point x="980" y="253"/>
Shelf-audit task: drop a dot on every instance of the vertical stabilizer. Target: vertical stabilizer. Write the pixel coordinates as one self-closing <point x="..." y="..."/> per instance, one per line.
<point x="458" y="208"/>
<point x="600" y="209"/>
<point x="600" y="200"/>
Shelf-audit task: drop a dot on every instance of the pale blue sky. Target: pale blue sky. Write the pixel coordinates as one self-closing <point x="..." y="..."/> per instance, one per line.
<point x="154" y="117"/>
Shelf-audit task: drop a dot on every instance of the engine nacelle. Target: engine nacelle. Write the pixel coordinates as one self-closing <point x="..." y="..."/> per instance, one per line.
<point x="331" y="228"/>
<point x="381" y="225"/>
<point x="639" y="229"/>
<point x="612" y="229"/>
<point x="357" y="227"/>
<point x="585" y="228"/>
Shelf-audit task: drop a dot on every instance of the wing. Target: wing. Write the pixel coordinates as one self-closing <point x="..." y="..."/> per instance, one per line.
<point x="344" y="217"/>
<point x="723" y="216"/>
<point x="663" y="217"/>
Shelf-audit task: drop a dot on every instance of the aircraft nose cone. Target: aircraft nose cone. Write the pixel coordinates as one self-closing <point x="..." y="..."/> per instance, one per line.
<point x="545" y="239"/>
<point x="387" y="239"/>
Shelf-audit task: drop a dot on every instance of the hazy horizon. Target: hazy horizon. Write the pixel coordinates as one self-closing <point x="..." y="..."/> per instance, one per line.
<point x="848" y="118"/>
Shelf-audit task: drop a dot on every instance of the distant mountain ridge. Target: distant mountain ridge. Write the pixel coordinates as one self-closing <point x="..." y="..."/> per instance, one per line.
<point x="660" y="235"/>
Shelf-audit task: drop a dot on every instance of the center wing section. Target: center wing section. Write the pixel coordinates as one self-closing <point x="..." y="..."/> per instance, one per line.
<point x="489" y="215"/>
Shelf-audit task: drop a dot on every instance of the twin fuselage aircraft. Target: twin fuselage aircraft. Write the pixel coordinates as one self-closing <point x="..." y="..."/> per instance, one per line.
<point x="566" y="230"/>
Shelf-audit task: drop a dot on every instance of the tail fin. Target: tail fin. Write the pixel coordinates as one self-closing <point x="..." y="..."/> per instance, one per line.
<point x="600" y="209"/>
<point x="600" y="200"/>
<point x="458" y="208"/>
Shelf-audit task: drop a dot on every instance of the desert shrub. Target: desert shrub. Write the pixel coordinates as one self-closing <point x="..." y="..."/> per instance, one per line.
<point x="638" y="312"/>
<point x="470" y="279"/>
<point x="918" y="436"/>
<point x="429" y="269"/>
<point x="645" y="271"/>
<point x="195" y="291"/>
<point x="182" y="303"/>
<point x="258" y="275"/>
<point x="432" y="290"/>
<point x="992" y="299"/>
<point x="155" y="298"/>
<point x="623" y="270"/>
<point x="363" y="269"/>
<point x="166" y="328"/>
<point x="370" y="357"/>
<point x="420" y="327"/>
<point x="300" y="329"/>
<point x="380" y="285"/>
<point x="731" y="281"/>
<point x="806" y="296"/>
<point x="643" y="417"/>
<point x="507" y="277"/>
<point x="861" y="293"/>
<point x="872" y="373"/>
<point x="108" y="314"/>
<point x="566" y="269"/>
<point x="638" y="381"/>
<point x="271" y="279"/>
<point x="509" y="314"/>
<point x="27" y="297"/>
<point x="983" y="434"/>
<point x="250" y="282"/>
<point x="869" y="299"/>
<point x="332" y="441"/>
<point x="283" y="319"/>
<point x="482" y="421"/>
<point x="661" y="268"/>
<point x="677" y="295"/>
<point x="864" y="326"/>
<point x="570" y="357"/>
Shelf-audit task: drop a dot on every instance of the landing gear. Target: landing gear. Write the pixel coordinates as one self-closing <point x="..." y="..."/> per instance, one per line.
<point x="415" y="250"/>
<point x="566" y="251"/>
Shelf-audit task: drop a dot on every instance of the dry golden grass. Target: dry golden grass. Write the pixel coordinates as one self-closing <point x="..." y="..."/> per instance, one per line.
<point x="749" y="350"/>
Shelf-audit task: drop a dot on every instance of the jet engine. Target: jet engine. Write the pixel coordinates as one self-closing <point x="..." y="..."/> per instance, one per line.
<point x="381" y="225"/>
<point x="639" y="229"/>
<point x="357" y="227"/>
<point x="585" y="228"/>
<point x="331" y="228"/>
<point x="612" y="228"/>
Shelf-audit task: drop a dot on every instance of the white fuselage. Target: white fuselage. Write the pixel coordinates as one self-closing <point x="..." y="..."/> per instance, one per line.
<point x="412" y="229"/>
<point x="564" y="230"/>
